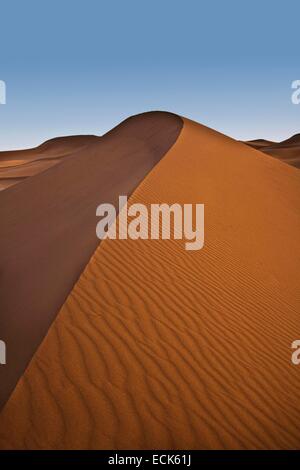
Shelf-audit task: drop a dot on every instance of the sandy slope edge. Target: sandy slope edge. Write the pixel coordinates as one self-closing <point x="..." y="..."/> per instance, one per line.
<point x="48" y="226"/>
<point x="157" y="347"/>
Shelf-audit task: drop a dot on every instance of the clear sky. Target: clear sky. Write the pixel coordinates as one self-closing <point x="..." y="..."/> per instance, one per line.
<point x="80" y="67"/>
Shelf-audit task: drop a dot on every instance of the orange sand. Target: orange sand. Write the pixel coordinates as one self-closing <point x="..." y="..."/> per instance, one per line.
<point x="288" y="151"/>
<point x="158" y="347"/>
<point x="16" y="165"/>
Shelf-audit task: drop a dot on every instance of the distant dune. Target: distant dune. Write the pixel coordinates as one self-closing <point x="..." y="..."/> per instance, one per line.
<point x="17" y="165"/>
<point x="48" y="223"/>
<point x="287" y="151"/>
<point x="157" y="347"/>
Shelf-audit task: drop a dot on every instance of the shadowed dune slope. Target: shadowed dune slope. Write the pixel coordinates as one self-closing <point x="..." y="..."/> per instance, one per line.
<point x="287" y="151"/>
<point x="158" y="347"/>
<point x="17" y="165"/>
<point x="48" y="228"/>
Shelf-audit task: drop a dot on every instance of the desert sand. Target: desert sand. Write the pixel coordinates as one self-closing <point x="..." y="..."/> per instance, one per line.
<point x="48" y="225"/>
<point x="287" y="151"/>
<point x="157" y="347"/>
<point x="17" y="165"/>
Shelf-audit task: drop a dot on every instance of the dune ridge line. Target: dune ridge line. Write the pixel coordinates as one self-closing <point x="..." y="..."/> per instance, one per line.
<point x="160" y="348"/>
<point x="48" y="226"/>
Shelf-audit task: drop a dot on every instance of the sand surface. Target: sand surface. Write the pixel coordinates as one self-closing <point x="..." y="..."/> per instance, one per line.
<point x="157" y="347"/>
<point x="48" y="225"/>
<point x="17" y="165"/>
<point x="287" y="151"/>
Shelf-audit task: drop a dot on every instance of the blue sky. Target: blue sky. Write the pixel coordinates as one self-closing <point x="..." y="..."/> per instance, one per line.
<point x="80" y="67"/>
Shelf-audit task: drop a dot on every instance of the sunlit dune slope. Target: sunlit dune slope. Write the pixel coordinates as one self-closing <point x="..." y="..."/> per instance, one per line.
<point x="48" y="226"/>
<point x="158" y="347"/>
<point x="288" y="150"/>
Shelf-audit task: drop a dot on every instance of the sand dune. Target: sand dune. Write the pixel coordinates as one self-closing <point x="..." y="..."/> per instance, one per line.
<point x="48" y="224"/>
<point x="17" y="165"/>
<point x="157" y="347"/>
<point x="287" y="151"/>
